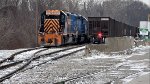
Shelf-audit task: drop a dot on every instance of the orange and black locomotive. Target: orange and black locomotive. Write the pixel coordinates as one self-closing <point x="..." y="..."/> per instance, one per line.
<point x="59" y="27"/>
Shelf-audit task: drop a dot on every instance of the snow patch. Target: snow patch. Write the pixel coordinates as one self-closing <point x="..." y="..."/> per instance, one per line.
<point x="141" y="48"/>
<point x="136" y="65"/>
<point x="25" y="55"/>
<point x="71" y="50"/>
<point x="136" y="51"/>
<point x="97" y="57"/>
<point x="130" y="78"/>
<point x="8" y="53"/>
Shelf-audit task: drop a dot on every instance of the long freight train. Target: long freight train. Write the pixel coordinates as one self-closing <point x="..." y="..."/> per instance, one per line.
<point x="103" y="27"/>
<point x="59" y="27"/>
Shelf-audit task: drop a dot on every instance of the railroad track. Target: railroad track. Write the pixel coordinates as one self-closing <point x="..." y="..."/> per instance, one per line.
<point x="35" y="57"/>
<point x="17" y="53"/>
<point x="9" y="62"/>
<point x="54" y="55"/>
<point x="23" y="63"/>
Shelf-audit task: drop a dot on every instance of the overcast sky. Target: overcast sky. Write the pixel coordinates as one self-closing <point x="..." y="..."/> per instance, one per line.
<point x="146" y="1"/>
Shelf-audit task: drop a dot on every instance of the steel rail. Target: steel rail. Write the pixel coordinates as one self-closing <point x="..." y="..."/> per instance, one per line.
<point x="34" y="57"/>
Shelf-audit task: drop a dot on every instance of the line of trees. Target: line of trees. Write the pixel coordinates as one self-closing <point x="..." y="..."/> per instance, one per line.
<point x="17" y="17"/>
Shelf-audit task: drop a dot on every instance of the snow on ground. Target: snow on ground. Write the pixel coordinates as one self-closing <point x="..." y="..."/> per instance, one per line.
<point x="136" y="51"/>
<point x="97" y="68"/>
<point x="29" y="54"/>
<point x="7" y="71"/>
<point x="132" y="77"/>
<point x="7" y="53"/>
<point x="22" y="56"/>
<point x="25" y="55"/>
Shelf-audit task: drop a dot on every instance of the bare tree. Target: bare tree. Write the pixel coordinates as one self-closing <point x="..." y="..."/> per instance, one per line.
<point x="72" y="5"/>
<point x="17" y="17"/>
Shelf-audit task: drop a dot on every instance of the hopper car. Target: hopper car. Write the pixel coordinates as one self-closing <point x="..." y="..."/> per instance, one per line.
<point x="103" y="27"/>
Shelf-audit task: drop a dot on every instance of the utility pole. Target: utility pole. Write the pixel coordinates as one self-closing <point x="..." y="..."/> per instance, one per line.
<point x="149" y="26"/>
<point x="149" y="17"/>
<point x="36" y="23"/>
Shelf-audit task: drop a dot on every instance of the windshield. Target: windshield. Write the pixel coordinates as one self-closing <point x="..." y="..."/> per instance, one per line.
<point x="52" y="16"/>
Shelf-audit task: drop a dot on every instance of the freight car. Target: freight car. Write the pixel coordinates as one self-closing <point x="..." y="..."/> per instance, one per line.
<point x="102" y="27"/>
<point x="59" y="28"/>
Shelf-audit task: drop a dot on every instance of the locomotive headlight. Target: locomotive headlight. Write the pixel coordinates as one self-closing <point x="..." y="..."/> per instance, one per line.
<point x="41" y="34"/>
